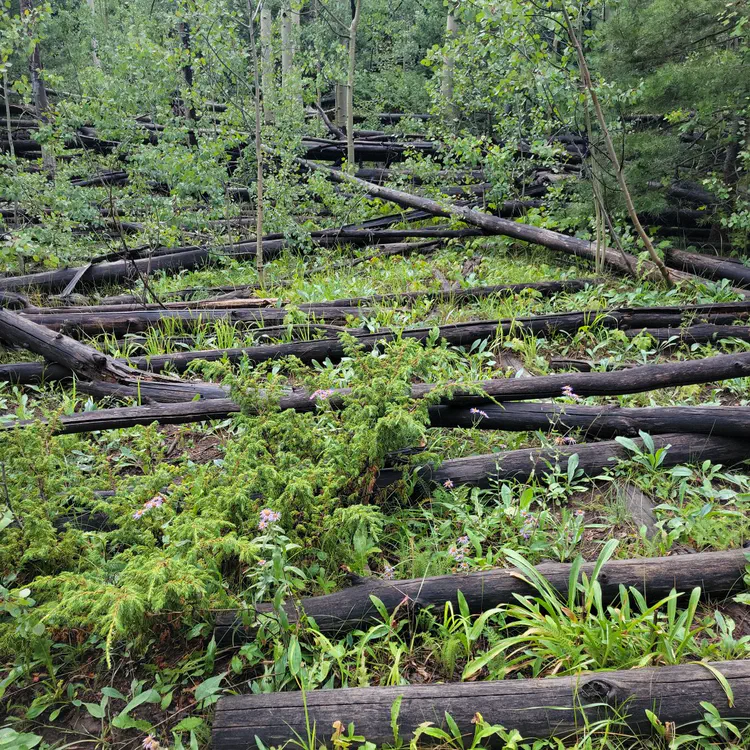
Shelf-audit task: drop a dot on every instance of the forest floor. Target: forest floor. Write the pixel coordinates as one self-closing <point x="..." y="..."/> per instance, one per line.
<point x="123" y="646"/>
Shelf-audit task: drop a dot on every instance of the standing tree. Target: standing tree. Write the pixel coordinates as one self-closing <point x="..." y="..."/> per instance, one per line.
<point x="449" y="66"/>
<point x="356" y="7"/>
<point x="94" y="43"/>
<point x="258" y="141"/>
<point x="611" y="152"/>
<point x="266" y="63"/>
<point x="38" y="90"/>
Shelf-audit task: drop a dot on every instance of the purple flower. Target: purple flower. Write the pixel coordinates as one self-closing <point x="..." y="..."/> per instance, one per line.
<point x="151" y="744"/>
<point x="321" y="394"/>
<point x="388" y="572"/>
<point x="448" y="484"/>
<point x="261" y="563"/>
<point x="567" y="391"/>
<point x="580" y="514"/>
<point x="463" y="567"/>
<point x="456" y="553"/>
<point x="267" y="517"/>
<point x="463" y="541"/>
<point x="478" y="412"/>
<point x="155" y="502"/>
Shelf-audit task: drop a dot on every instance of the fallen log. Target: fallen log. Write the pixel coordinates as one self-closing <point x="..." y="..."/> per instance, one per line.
<point x="717" y="574"/>
<point x="598" y="421"/>
<point x="485" y="471"/>
<point x="182" y="259"/>
<point x="98" y="371"/>
<point x="121" y="322"/>
<point x="537" y="708"/>
<point x="456" y="334"/>
<point x="22" y="373"/>
<point x="111" y="268"/>
<point x="699" y="334"/>
<point x="710" y="266"/>
<point x="623" y="262"/>
<point x="543" y="288"/>
<point x="465" y="334"/>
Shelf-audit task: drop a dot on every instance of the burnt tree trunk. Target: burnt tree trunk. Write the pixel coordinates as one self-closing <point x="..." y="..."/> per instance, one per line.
<point x="717" y="574"/>
<point x="537" y="708"/>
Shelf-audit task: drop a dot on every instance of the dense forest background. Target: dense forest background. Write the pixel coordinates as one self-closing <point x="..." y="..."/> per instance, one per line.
<point x="672" y="80"/>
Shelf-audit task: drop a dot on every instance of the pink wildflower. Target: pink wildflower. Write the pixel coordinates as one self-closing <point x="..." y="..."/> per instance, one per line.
<point x="567" y="391"/>
<point x="448" y="484"/>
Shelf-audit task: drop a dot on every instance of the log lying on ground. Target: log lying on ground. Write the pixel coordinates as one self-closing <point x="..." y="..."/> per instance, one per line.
<point x="36" y="372"/>
<point x="134" y="306"/>
<point x="364" y="233"/>
<point x="710" y="266"/>
<point x="699" y="334"/>
<point x="537" y="708"/>
<point x="485" y="470"/>
<point x="99" y="372"/>
<point x="623" y="262"/>
<point x="660" y="320"/>
<point x="459" y="334"/>
<point x="543" y="288"/>
<point x="182" y="259"/>
<point x="633" y="380"/>
<point x="456" y="334"/>
<point x="716" y="573"/>
<point x="120" y="323"/>
<point x="599" y="421"/>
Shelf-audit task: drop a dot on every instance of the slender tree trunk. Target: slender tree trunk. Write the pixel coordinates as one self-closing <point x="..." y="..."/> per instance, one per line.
<point x="11" y="149"/>
<point x="8" y="124"/>
<point x="94" y="42"/>
<point x="188" y="107"/>
<point x="589" y="86"/>
<point x="731" y="175"/>
<point x="287" y="46"/>
<point x="449" y="66"/>
<point x="39" y="92"/>
<point x="356" y="6"/>
<point x="258" y="145"/>
<point x="266" y="57"/>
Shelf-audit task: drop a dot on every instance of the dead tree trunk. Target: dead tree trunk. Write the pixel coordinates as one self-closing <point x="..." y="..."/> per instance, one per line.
<point x="94" y="42"/>
<point x="356" y="6"/>
<point x="717" y="574"/>
<point x="537" y="708"/>
<point x="496" y="225"/>
<point x="188" y="108"/>
<point x="258" y="148"/>
<point x="449" y="65"/>
<point x="486" y="470"/>
<point x="598" y="421"/>
<point x="39" y="92"/>
<point x="101" y="374"/>
<point x="710" y="267"/>
<point x="55" y="347"/>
